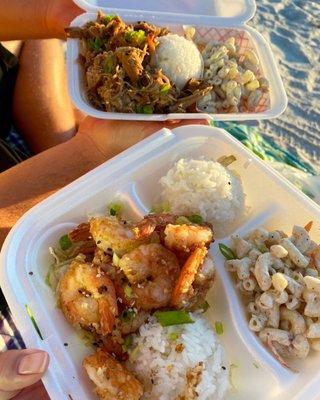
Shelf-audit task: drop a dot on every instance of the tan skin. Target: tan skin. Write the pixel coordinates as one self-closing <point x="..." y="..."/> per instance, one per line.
<point x="96" y="141"/>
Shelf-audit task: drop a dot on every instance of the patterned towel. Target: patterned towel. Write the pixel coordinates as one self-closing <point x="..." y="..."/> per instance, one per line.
<point x="298" y="172"/>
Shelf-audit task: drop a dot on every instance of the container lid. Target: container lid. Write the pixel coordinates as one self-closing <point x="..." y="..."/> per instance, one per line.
<point x="188" y="11"/>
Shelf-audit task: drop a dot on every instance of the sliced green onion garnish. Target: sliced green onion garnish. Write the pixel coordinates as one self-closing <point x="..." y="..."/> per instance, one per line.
<point x="95" y="44"/>
<point x="128" y="291"/>
<point x="226" y="252"/>
<point x="109" y="65"/>
<point x="165" y="88"/>
<point x="231" y="380"/>
<point x="205" y="307"/>
<point x="48" y="280"/>
<point x="128" y="315"/>
<point x="135" y="36"/>
<point x="183" y="221"/>
<point x="34" y="323"/>
<point x="196" y="219"/>
<point x="160" y="208"/>
<point x="168" y="318"/>
<point x="65" y="242"/>
<point x="127" y="343"/>
<point x="114" y="209"/>
<point x="115" y="260"/>
<point x="226" y="160"/>
<point x="147" y="109"/>
<point x="218" y="327"/>
<point x="174" y="336"/>
<point x="263" y="248"/>
<point x="108" y="18"/>
<point x="134" y="354"/>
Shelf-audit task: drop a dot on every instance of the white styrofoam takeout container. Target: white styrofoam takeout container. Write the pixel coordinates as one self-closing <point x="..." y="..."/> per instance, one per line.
<point x="133" y="178"/>
<point x="213" y="19"/>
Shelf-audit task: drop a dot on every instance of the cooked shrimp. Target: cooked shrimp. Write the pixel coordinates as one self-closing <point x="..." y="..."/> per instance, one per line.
<point x="152" y="222"/>
<point x="112" y="379"/>
<point x="151" y="270"/>
<point x="196" y="277"/>
<point x="187" y="237"/>
<point x="111" y="234"/>
<point x="87" y="298"/>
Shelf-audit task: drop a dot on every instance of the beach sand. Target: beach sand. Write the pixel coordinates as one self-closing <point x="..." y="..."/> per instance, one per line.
<point x="293" y="29"/>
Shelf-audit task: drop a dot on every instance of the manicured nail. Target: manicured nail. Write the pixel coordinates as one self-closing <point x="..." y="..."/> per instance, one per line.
<point x="34" y="363"/>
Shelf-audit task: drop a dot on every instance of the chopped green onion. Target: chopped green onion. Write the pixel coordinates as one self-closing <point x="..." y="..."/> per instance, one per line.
<point x="225" y="161"/>
<point x="65" y="242"/>
<point x="34" y="323"/>
<point x="114" y="209"/>
<point x="205" y="307"/>
<point x="174" y="336"/>
<point x="116" y="260"/>
<point x="128" y="315"/>
<point x="231" y="369"/>
<point x="95" y="44"/>
<point x="183" y="221"/>
<point x="168" y="318"/>
<point x="48" y="280"/>
<point x="109" y="65"/>
<point x="134" y="354"/>
<point x="226" y="252"/>
<point x="218" y="327"/>
<point x="196" y="219"/>
<point x="165" y="88"/>
<point x="128" y="341"/>
<point x="108" y="18"/>
<point x="147" y="109"/>
<point x="160" y="208"/>
<point x="135" y="36"/>
<point x="128" y="291"/>
<point x="255" y="365"/>
<point x="263" y="248"/>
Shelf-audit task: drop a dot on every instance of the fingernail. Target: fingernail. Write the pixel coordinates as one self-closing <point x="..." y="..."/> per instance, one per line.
<point x="34" y="363"/>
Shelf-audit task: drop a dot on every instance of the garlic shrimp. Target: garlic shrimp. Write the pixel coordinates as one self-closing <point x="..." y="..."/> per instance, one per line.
<point x="186" y="238"/>
<point x="196" y="278"/>
<point x="112" y="379"/>
<point x="87" y="298"/>
<point x="112" y="234"/>
<point x="152" y="271"/>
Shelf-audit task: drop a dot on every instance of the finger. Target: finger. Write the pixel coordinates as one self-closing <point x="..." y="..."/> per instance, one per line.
<point x="179" y="122"/>
<point x="34" y="392"/>
<point x="20" y="369"/>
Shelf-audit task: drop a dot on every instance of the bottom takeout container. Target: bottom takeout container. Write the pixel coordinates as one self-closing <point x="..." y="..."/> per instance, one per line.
<point x="133" y="177"/>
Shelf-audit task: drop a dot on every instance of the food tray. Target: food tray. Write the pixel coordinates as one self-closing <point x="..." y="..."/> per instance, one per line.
<point x="132" y="177"/>
<point x="228" y="19"/>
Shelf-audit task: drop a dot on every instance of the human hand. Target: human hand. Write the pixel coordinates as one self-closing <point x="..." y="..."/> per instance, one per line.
<point x="113" y="137"/>
<point x="59" y="14"/>
<point x="20" y="374"/>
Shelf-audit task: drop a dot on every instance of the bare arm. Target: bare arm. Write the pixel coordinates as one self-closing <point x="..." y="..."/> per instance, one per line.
<point x="23" y="186"/>
<point x="35" y="19"/>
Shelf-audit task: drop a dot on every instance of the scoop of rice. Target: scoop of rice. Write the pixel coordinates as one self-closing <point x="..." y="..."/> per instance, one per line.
<point x="205" y="188"/>
<point x="182" y="360"/>
<point x="179" y="59"/>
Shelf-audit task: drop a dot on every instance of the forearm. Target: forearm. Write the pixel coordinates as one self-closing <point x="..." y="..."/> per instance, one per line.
<point x="33" y="180"/>
<point x="23" y="19"/>
<point x="35" y="19"/>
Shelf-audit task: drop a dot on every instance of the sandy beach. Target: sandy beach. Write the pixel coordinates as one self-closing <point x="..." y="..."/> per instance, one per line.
<point x="293" y="29"/>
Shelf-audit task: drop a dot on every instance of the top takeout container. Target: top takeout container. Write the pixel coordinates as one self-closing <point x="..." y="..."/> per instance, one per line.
<point x="133" y="178"/>
<point x="213" y="19"/>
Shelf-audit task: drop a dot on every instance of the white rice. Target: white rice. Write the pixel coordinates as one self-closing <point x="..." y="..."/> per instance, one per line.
<point x="179" y="59"/>
<point x="157" y="359"/>
<point x="205" y="188"/>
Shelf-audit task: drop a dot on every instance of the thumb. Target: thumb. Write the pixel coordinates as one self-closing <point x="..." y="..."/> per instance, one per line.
<point x="20" y="369"/>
